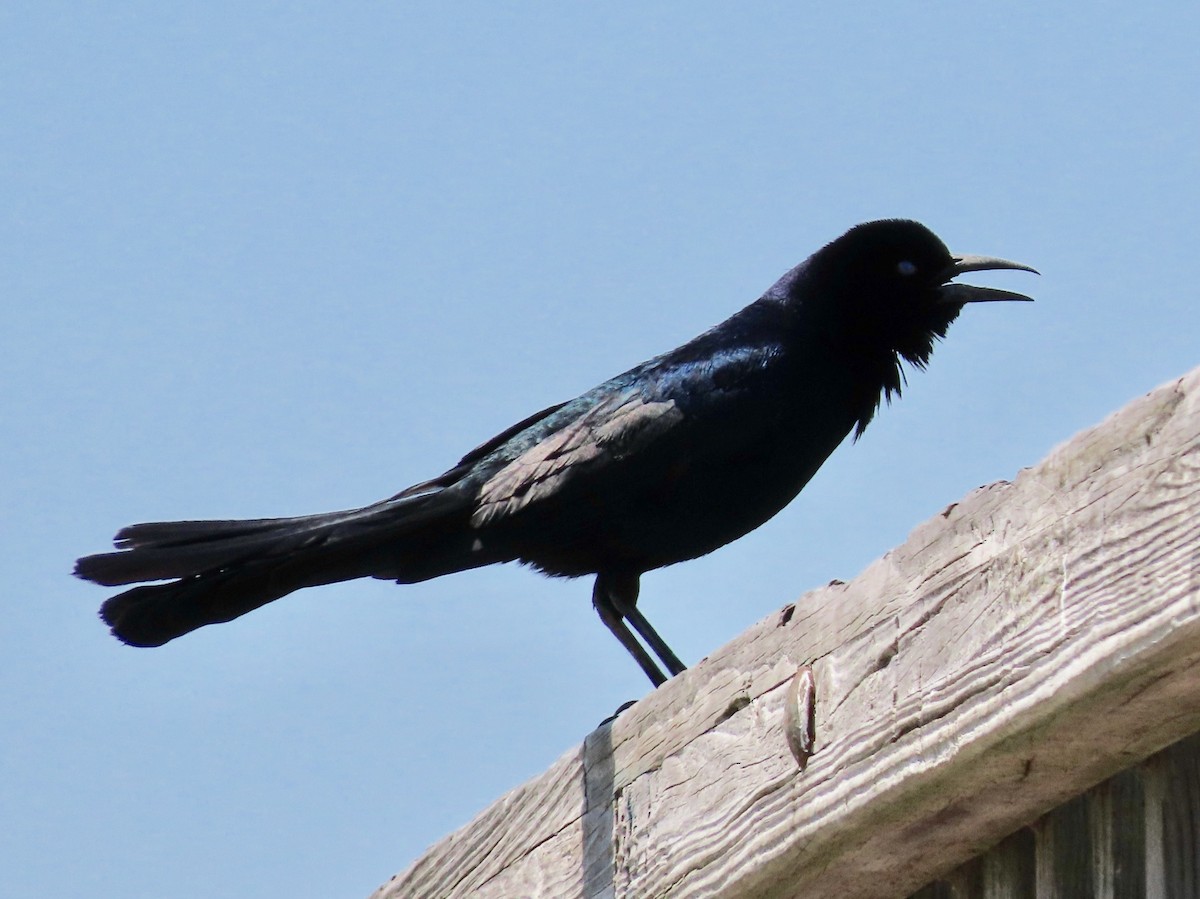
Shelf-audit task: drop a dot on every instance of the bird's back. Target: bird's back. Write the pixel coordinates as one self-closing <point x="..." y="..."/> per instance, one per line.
<point x="673" y="458"/>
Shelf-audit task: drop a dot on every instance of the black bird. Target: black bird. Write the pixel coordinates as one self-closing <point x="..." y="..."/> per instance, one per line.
<point x="666" y="462"/>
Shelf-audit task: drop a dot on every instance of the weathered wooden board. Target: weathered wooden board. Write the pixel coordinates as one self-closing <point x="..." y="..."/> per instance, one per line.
<point x="1135" y="836"/>
<point x="1027" y="643"/>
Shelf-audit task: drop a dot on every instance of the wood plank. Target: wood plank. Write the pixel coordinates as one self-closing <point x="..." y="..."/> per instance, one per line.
<point x="1181" y="821"/>
<point x="1140" y="831"/>
<point x="1025" y="644"/>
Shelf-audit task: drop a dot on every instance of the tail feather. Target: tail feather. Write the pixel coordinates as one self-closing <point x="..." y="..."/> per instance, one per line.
<point x="173" y="533"/>
<point x="155" y="614"/>
<point x="160" y="550"/>
<point x="224" y="569"/>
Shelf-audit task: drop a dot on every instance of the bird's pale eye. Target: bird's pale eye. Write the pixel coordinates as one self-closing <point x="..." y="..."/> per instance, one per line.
<point x="906" y="268"/>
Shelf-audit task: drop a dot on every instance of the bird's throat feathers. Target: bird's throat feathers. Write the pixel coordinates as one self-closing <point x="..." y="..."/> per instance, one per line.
<point x="878" y="365"/>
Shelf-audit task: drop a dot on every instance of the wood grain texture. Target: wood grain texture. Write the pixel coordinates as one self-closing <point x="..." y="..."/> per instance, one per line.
<point x="1131" y="837"/>
<point x="1020" y="647"/>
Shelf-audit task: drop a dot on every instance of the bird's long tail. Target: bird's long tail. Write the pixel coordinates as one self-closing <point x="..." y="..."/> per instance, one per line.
<point x="223" y="569"/>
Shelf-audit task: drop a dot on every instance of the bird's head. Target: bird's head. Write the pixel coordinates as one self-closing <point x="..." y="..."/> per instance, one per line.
<point x="888" y="283"/>
<point x="886" y="294"/>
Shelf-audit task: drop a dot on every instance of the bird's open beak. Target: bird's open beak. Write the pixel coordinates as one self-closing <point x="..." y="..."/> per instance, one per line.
<point x="960" y="294"/>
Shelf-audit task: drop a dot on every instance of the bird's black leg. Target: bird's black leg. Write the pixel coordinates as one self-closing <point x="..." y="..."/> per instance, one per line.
<point x="605" y="601"/>
<point x="615" y="598"/>
<point x="634" y="616"/>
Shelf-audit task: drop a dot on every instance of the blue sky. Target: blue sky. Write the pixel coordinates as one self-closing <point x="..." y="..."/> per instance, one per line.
<point x="267" y="259"/>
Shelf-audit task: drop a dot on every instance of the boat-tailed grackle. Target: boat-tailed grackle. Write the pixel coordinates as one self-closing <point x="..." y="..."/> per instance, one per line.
<point x="666" y="462"/>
